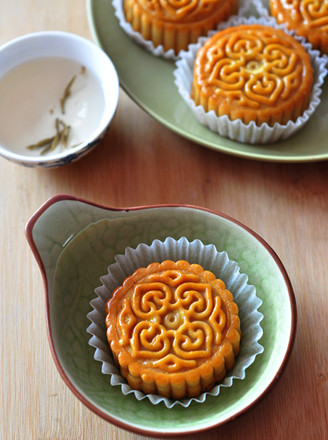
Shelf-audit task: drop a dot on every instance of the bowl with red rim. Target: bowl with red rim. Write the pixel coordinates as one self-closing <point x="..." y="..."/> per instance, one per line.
<point x="74" y="241"/>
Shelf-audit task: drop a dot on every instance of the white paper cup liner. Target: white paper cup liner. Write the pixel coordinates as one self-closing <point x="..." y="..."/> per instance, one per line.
<point x="157" y="51"/>
<point x="237" y="130"/>
<point x="194" y="252"/>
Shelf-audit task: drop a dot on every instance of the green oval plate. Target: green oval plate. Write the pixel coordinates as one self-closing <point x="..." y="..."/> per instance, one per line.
<point x="149" y="81"/>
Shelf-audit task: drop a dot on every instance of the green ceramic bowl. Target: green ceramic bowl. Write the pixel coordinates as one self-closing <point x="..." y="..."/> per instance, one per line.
<point x="72" y="262"/>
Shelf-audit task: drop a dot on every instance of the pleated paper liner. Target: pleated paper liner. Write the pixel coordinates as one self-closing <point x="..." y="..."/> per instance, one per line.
<point x="194" y="252"/>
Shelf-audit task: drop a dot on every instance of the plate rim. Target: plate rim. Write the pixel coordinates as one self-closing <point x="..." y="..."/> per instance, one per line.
<point x="109" y="418"/>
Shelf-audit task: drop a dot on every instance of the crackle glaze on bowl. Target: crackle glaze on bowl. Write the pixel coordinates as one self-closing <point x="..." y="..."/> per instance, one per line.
<point x="74" y="248"/>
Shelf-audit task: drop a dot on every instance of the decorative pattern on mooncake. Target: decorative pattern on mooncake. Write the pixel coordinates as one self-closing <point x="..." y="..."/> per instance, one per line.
<point x="173" y="329"/>
<point x="175" y="24"/>
<point x="308" y="18"/>
<point x="253" y="73"/>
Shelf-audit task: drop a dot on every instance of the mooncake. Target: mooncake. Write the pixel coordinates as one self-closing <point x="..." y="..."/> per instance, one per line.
<point x="308" y="18"/>
<point x="173" y="24"/>
<point x="253" y="72"/>
<point x="173" y="329"/>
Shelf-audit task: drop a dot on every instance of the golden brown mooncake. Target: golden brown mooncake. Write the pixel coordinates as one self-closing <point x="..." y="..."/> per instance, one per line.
<point x="175" y="24"/>
<point x="253" y="73"/>
<point x="308" y="18"/>
<point x="173" y="329"/>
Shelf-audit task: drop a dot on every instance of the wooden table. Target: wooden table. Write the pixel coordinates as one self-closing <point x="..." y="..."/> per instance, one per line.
<point x="287" y="204"/>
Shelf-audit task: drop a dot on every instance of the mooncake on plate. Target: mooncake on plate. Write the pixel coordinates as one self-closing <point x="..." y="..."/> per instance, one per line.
<point x="308" y="18"/>
<point x="174" y="25"/>
<point x="253" y="72"/>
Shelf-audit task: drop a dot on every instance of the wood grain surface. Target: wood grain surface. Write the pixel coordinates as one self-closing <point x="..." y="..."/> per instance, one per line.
<point x="287" y="204"/>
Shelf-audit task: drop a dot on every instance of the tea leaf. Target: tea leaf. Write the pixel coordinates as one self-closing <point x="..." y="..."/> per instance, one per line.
<point x="40" y="143"/>
<point x="66" y="94"/>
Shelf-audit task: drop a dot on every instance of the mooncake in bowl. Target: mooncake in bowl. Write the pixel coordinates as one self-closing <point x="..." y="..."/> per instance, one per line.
<point x="173" y="329"/>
